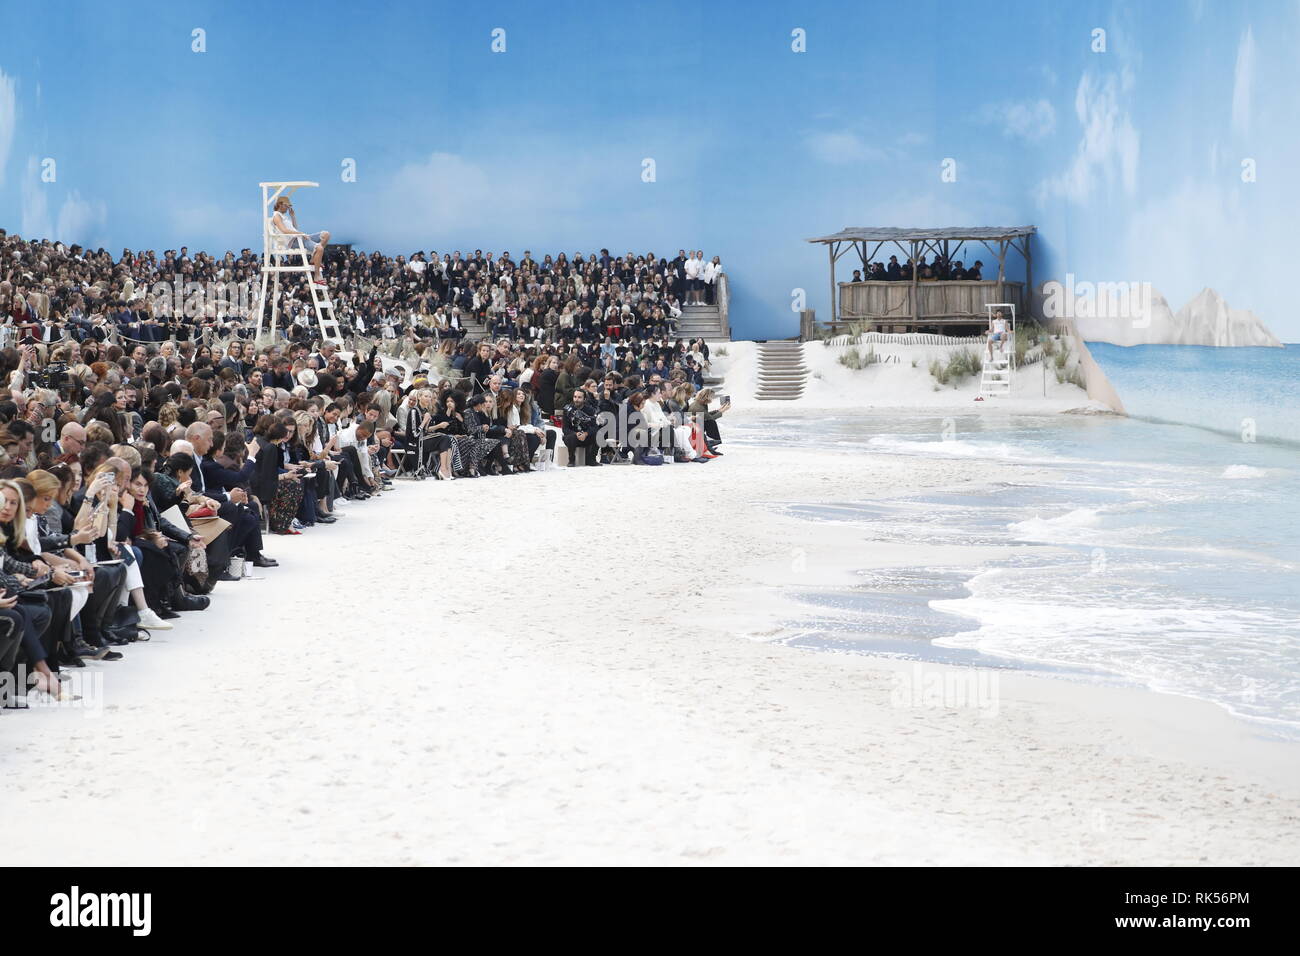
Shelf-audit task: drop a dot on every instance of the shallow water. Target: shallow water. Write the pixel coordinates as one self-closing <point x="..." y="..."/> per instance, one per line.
<point x="1173" y="560"/>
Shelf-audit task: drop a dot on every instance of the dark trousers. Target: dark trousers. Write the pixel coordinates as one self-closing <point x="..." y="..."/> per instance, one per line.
<point x="35" y="622"/>
<point x="350" y="473"/>
<point x="245" y="532"/>
<point x="102" y="604"/>
<point x="11" y="639"/>
<point x="572" y="442"/>
<point x="59" y="631"/>
<point x="160" y="567"/>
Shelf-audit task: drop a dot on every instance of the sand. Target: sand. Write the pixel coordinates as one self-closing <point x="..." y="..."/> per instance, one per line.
<point x="464" y="673"/>
<point x="901" y="379"/>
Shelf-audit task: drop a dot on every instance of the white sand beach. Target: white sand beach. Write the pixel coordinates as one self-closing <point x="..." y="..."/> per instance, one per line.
<point x="471" y="675"/>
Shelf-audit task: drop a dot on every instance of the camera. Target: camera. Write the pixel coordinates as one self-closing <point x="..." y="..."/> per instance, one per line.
<point x="53" y="376"/>
<point x="582" y="419"/>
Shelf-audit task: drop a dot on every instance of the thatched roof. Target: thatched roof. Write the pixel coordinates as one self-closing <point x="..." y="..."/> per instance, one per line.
<point x="904" y="234"/>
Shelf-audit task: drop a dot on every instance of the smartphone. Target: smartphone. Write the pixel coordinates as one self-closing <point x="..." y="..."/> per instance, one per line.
<point x="726" y="399"/>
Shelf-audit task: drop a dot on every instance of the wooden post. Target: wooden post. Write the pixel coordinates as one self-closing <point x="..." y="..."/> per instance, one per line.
<point x="1002" y="268"/>
<point x="1028" y="305"/>
<point x="830" y="248"/>
<point x="916" y="301"/>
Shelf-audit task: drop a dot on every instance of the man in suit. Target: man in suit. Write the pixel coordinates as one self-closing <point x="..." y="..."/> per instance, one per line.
<point x="212" y="480"/>
<point x="72" y="439"/>
<point x="279" y="376"/>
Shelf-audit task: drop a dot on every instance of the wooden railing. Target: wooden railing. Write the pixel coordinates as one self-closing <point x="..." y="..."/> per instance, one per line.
<point x="938" y="302"/>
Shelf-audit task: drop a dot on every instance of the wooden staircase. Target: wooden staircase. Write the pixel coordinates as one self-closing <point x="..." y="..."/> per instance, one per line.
<point x="781" y="371"/>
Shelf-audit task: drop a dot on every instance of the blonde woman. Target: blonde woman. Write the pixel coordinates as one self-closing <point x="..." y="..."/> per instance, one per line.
<point x="284" y="221"/>
<point x="104" y="489"/>
<point x="168" y="415"/>
<point x="423" y="420"/>
<point x="34" y="620"/>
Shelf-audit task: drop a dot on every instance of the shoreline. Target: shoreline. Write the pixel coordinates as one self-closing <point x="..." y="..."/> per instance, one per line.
<point x="625" y="715"/>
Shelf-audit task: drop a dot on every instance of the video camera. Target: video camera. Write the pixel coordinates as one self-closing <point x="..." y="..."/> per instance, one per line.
<point x="52" y="376"/>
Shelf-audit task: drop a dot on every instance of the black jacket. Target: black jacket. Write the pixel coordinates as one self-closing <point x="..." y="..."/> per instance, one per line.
<point x="546" y="389"/>
<point x="266" y="474"/>
<point x="580" y="418"/>
<point x="478" y="371"/>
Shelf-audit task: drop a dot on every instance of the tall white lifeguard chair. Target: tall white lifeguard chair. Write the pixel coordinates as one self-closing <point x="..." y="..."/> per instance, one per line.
<point x="996" y="376"/>
<point x="281" y="253"/>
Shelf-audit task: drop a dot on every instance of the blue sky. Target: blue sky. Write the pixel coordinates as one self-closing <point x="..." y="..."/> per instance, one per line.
<point x="1128" y="160"/>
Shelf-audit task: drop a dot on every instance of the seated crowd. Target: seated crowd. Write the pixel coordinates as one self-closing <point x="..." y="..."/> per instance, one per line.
<point x="53" y="292"/>
<point x="136" y="476"/>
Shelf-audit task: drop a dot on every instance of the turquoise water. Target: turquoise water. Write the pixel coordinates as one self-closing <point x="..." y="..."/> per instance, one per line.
<point x="1160" y="555"/>
<point x="1221" y="389"/>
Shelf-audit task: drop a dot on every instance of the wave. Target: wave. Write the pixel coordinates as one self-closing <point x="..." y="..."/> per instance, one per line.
<point x="955" y="447"/>
<point x="1038" y="528"/>
<point x="1243" y="471"/>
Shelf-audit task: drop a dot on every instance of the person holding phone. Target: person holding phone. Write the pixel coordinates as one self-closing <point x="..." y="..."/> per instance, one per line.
<point x="700" y="406"/>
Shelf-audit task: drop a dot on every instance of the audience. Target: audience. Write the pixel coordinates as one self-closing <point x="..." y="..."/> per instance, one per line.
<point x="940" y="268"/>
<point x="145" y="457"/>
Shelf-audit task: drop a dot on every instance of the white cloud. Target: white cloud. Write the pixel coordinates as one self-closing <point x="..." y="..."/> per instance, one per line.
<point x="8" y="120"/>
<point x="447" y="194"/>
<point x="79" y="220"/>
<point x="1110" y="145"/>
<point x="550" y="193"/>
<point x="82" y="221"/>
<point x="1028" y="120"/>
<point x="1243" y="83"/>
<point x="1192" y="237"/>
<point x="842" y="147"/>
<point x="36" y="223"/>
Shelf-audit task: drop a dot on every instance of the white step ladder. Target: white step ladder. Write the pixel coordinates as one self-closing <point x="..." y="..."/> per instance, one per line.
<point x="995" y="379"/>
<point x="287" y="254"/>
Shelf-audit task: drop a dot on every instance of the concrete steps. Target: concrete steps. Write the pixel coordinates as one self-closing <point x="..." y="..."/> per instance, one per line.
<point x="782" y="373"/>
<point x="700" y="321"/>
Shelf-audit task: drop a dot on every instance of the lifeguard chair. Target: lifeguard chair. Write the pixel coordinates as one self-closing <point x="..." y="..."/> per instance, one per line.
<point x="281" y="253"/>
<point x="995" y="378"/>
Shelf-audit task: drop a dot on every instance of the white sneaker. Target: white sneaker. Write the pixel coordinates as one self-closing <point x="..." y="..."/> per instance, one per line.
<point x="152" y="622"/>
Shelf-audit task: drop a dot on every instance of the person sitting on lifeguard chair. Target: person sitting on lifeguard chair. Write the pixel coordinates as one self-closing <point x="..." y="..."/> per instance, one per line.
<point x="997" y="331"/>
<point x="285" y="223"/>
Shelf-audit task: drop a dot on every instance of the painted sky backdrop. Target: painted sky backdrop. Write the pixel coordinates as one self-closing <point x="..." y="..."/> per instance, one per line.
<point x="1129" y="161"/>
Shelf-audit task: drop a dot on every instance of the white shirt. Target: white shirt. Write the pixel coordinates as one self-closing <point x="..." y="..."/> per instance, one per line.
<point x="348" y="439"/>
<point x="692" y="268"/>
<point x="654" y="414"/>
